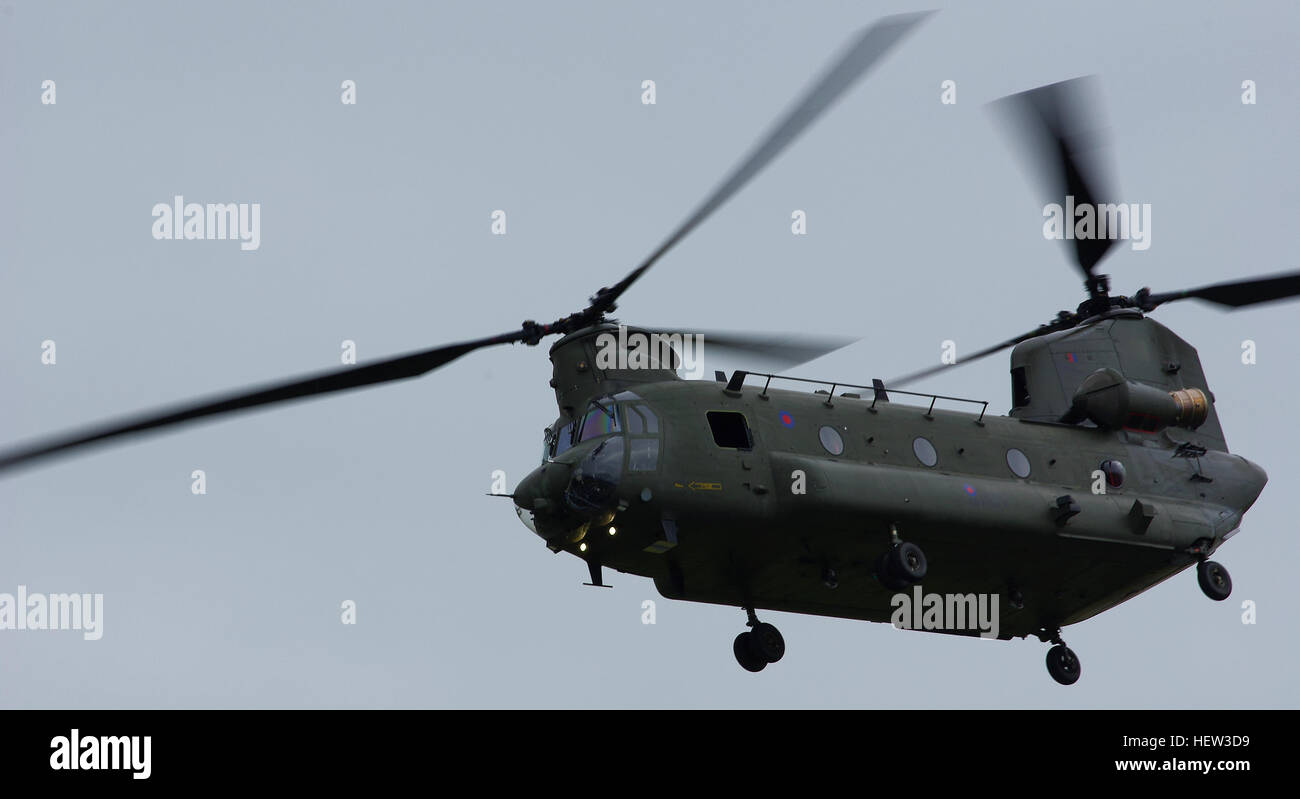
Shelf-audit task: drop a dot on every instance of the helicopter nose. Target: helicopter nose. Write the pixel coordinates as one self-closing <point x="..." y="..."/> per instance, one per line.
<point x="528" y="518"/>
<point x="561" y="499"/>
<point x="1254" y="483"/>
<point x="592" y="489"/>
<point x="542" y="488"/>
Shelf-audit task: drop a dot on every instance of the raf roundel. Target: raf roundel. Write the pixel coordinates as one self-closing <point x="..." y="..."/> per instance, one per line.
<point x="787" y="420"/>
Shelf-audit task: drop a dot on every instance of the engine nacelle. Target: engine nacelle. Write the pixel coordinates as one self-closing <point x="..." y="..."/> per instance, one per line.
<point x="1110" y="400"/>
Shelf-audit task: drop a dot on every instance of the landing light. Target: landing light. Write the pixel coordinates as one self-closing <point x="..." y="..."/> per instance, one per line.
<point x="582" y="547"/>
<point x="613" y="530"/>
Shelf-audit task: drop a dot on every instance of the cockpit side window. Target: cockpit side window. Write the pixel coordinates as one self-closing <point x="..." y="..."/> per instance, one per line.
<point x="564" y="438"/>
<point x="640" y="419"/>
<point x="642" y="428"/>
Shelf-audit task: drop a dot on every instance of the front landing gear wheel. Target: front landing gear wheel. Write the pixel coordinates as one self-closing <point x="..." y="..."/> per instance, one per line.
<point x="746" y="656"/>
<point x="767" y="643"/>
<point x="1063" y="664"/>
<point x="1214" y="580"/>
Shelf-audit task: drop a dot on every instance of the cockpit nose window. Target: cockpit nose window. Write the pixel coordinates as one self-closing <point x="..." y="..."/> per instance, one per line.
<point x="592" y="486"/>
<point x="601" y="419"/>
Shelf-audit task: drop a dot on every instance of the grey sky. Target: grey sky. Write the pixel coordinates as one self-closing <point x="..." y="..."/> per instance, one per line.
<point x="923" y="226"/>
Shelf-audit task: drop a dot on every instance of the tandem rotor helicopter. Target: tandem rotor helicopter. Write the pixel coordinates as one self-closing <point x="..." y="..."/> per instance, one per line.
<point x="692" y="482"/>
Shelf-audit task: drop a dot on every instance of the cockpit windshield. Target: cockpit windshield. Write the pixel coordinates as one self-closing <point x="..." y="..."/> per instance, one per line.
<point x="601" y="419"/>
<point x="622" y="413"/>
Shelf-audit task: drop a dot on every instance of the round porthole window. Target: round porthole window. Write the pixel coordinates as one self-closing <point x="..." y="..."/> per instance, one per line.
<point x="831" y="440"/>
<point x="1114" y="471"/>
<point x="1017" y="462"/>
<point x="924" y="451"/>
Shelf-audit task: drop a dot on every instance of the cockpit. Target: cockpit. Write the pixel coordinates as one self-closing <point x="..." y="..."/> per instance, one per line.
<point x="625" y="414"/>
<point x="586" y="460"/>
<point x="628" y="432"/>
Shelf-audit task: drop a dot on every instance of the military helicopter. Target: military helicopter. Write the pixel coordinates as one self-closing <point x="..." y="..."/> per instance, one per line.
<point x="1109" y="475"/>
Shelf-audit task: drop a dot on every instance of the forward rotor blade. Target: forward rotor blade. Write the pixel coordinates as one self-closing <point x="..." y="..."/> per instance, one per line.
<point x="1237" y="293"/>
<point x="787" y="349"/>
<point x="397" y="368"/>
<point x="1051" y="123"/>
<point x="863" y="53"/>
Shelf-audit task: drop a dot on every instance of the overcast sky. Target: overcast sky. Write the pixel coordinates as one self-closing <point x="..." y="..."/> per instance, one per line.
<point x="923" y="225"/>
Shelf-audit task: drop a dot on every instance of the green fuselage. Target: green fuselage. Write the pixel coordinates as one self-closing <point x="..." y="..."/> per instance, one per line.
<point x="760" y="525"/>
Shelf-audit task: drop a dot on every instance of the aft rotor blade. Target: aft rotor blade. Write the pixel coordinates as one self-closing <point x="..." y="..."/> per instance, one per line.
<point x="1057" y="125"/>
<point x="397" y="368"/>
<point x="1237" y="293"/>
<point x="899" y="382"/>
<point x="788" y="349"/>
<point x="1063" y="321"/>
<point x="867" y="49"/>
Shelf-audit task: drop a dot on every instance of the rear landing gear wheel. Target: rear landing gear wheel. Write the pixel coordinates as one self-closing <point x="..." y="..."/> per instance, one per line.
<point x="746" y="655"/>
<point x="902" y="567"/>
<point x="1063" y="664"/>
<point x="1214" y="580"/>
<point x="766" y="641"/>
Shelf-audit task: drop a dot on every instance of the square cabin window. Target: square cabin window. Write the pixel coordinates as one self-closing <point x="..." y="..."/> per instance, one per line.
<point x="730" y="430"/>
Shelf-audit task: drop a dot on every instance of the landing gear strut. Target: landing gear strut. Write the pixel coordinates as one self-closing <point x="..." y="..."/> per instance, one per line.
<point x="1062" y="663"/>
<point x="758" y="646"/>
